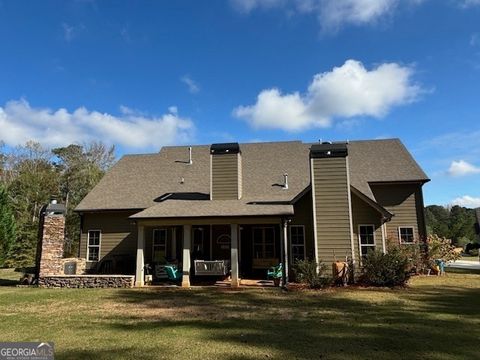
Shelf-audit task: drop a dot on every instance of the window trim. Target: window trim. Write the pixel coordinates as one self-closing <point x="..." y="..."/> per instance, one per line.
<point x="99" y="244"/>
<point x="304" y="242"/>
<point x="374" y="245"/>
<point x="153" y="241"/>
<point x="263" y="241"/>
<point x="400" y="235"/>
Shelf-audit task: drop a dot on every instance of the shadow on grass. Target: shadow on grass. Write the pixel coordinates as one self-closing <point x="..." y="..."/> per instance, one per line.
<point x="429" y="322"/>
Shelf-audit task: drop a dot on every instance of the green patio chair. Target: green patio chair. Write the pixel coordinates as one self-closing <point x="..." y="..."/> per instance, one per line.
<point x="173" y="274"/>
<point x="275" y="272"/>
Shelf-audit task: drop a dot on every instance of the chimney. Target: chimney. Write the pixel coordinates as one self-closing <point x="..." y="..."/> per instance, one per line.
<point x="225" y="172"/>
<point x="52" y="233"/>
<point x="333" y="227"/>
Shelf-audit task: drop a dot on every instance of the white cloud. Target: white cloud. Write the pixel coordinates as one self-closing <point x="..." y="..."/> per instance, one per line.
<point x="192" y="85"/>
<point x="246" y="6"/>
<point x="332" y="14"/>
<point x="68" y="32"/>
<point x="344" y="92"/>
<point x="19" y="122"/>
<point x="475" y="39"/>
<point x="469" y="3"/>
<point x="466" y="201"/>
<point x="462" y="168"/>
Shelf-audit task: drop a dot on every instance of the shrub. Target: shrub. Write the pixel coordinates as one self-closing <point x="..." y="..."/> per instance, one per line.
<point x="440" y="249"/>
<point x="306" y="273"/>
<point x="390" y="269"/>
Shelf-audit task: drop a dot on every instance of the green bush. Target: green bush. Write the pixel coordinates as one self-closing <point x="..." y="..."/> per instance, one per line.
<point x="390" y="269"/>
<point x="306" y="273"/>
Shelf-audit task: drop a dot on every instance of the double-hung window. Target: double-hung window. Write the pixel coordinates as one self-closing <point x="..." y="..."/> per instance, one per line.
<point x="159" y="245"/>
<point x="93" y="248"/>
<point x="263" y="242"/>
<point x="367" y="238"/>
<point x="297" y="242"/>
<point x="405" y="234"/>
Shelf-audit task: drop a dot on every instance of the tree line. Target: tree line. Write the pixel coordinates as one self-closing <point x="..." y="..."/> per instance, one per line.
<point x="456" y="223"/>
<point x="32" y="175"/>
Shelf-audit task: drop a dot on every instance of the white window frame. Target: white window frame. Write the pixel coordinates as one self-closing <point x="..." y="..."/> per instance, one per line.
<point x="99" y="246"/>
<point x="374" y="245"/>
<point x="400" y="235"/>
<point x="291" y="243"/>
<point x="263" y="241"/>
<point x="153" y="242"/>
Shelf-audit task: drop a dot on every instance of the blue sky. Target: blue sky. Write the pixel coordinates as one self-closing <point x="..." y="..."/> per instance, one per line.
<point x="145" y="74"/>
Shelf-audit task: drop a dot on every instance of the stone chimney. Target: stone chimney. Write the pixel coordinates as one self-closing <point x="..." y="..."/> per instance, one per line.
<point x="52" y="235"/>
<point x="225" y="172"/>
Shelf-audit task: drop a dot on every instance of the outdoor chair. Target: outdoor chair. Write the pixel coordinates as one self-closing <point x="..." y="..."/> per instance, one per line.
<point x="173" y="274"/>
<point x="275" y="272"/>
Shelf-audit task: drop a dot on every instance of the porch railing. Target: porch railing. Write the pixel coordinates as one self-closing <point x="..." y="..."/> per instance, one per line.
<point x="211" y="268"/>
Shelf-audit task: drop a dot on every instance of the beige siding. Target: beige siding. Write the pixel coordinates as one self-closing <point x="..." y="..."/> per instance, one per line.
<point x="364" y="214"/>
<point x="304" y="216"/>
<point x="406" y="203"/>
<point x="331" y="201"/>
<point x="118" y="233"/>
<point x="225" y="176"/>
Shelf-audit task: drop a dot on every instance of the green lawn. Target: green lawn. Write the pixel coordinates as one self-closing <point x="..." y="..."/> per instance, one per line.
<point x="434" y="318"/>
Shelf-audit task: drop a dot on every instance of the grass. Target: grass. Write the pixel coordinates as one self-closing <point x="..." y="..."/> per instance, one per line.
<point x="434" y="318"/>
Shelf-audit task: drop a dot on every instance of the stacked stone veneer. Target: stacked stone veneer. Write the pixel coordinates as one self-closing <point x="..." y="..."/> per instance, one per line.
<point x="53" y="235"/>
<point x="52" y="264"/>
<point x="87" y="281"/>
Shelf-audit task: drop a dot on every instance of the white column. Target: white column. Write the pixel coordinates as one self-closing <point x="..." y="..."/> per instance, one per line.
<point x="234" y="254"/>
<point x="284" y="245"/>
<point x="187" y="243"/>
<point x="139" y="273"/>
<point x="384" y="248"/>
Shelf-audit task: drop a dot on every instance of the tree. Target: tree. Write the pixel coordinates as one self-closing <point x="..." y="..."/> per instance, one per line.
<point x="80" y="168"/>
<point x="7" y="226"/>
<point x="33" y="182"/>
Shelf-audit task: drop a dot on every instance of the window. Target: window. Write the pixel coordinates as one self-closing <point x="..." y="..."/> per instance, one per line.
<point x="263" y="242"/>
<point x="93" y="249"/>
<point x="297" y="242"/>
<point x="366" y="234"/>
<point x="198" y="240"/>
<point x="406" y="235"/>
<point x="159" y="245"/>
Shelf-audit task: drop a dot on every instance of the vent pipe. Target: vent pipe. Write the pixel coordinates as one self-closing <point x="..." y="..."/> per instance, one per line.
<point x="190" y="161"/>
<point x="285" y="181"/>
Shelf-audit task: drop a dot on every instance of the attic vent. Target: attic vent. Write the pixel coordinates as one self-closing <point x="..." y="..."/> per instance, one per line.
<point x="285" y="181"/>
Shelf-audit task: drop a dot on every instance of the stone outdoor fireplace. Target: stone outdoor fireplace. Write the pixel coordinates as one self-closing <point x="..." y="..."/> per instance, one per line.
<point x="53" y="270"/>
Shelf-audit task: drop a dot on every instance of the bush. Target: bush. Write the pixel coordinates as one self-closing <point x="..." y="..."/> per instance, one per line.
<point x="306" y="273"/>
<point x="440" y="249"/>
<point x="390" y="269"/>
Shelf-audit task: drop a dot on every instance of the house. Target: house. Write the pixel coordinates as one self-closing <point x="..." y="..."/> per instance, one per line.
<point x="241" y="208"/>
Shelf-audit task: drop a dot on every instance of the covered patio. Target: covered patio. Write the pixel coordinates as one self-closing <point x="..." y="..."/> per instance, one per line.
<point x="226" y="251"/>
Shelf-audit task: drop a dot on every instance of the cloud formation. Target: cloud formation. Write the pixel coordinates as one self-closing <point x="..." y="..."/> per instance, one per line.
<point x="331" y="14"/>
<point x="462" y="168"/>
<point x="347" y="91"/>
<point x="192" y="85"/>
<point x="466" y="201"/>
<point x="19" y="122"/>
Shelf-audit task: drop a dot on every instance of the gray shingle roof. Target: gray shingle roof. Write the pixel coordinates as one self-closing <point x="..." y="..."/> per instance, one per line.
<point x="137" y="180"/>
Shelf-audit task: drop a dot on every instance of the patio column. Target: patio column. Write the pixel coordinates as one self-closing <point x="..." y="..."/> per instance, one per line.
<point x="187" y="243"/>
<point x="234" y="254"/>
<point x="284" y="246"/>
<point x="139" y="273"/>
